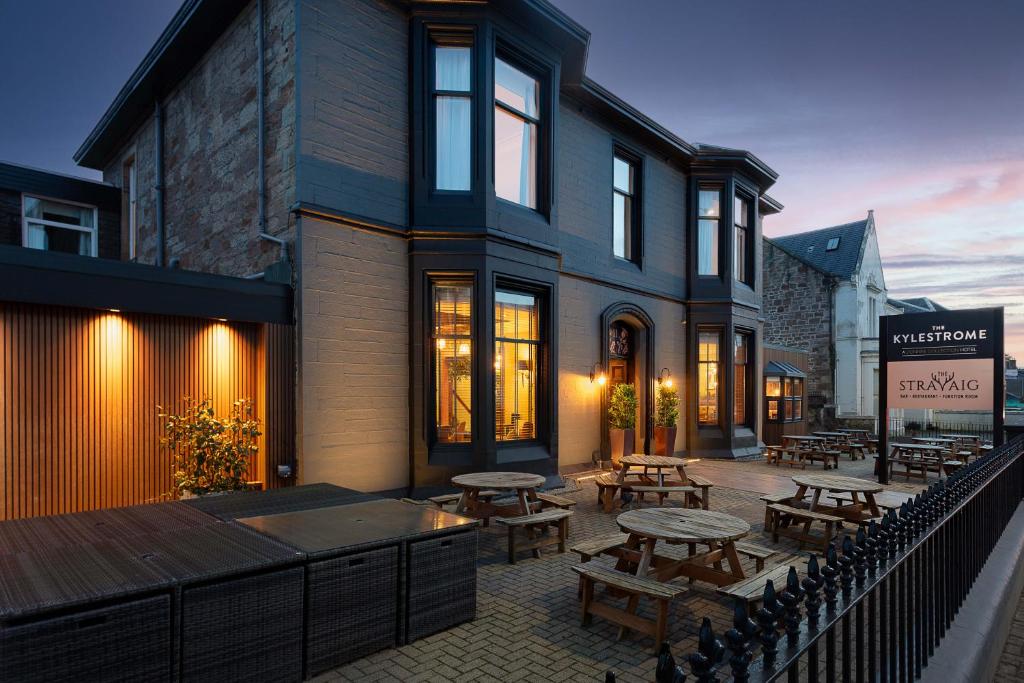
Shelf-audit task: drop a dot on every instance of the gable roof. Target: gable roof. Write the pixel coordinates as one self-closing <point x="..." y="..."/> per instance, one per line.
<point x="921" y="304"/>
<point x="812" y="247"/>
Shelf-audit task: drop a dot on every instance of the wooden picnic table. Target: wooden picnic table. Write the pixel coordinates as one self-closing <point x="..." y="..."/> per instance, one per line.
<point x="524" y="484"/>
<point x="834" y="435"/>
<point x="653" y="462"/>
<point x="803" y="437"/>
<point x="852" y="430"/>
<point x="962" y="437"/>
<point x="938" y="440"/>
<point x="649" y="526"/>
<point x="836" y="484"/>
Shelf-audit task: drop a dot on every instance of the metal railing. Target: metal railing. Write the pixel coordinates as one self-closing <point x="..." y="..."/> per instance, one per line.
<point x="880" y="603"/>
<point x="901" y="427"/>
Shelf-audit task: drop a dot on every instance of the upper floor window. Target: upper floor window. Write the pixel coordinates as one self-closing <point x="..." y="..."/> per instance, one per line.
<point x="59" y="226"/>
<point x="453" y="104"/>
<point x="872" y="317"/>
<point x="452" y="332"/>
<point x="709" y="216"/>
<point x="741" y="259"/>
<point x="833" y="244"/>
<point x="625" y="208"/>
<point x="517" y="348"/>
<point x="516" y="132"/>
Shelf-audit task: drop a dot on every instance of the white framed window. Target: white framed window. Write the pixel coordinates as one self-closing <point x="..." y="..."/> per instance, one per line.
<point x="516" y="133"/>
<point x="59" y="225"/>
<point x="453" y="104"/>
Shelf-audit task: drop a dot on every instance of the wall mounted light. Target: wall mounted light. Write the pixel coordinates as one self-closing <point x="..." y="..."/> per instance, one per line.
<point x="665" y="377"/>
<point x="597" y="374"/>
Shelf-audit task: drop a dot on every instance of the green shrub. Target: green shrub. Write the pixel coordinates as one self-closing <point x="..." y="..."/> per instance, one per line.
<point x="668" y="407"/>
<point x="210" y="454"/>
<point x="622" y="407"/>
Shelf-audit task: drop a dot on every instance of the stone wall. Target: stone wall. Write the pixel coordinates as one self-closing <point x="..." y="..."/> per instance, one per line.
<point x="796" y="308"/>
<point x="354" y="359"/>
<point x="210" y="152"/>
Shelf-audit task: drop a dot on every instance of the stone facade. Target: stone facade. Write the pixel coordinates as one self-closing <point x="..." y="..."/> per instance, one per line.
<point x="210" y="153"/>
<point x="797" y="311"/>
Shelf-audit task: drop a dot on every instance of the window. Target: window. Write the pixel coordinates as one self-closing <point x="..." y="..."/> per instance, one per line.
<point x="453" y="100"/>
<point x="708" y="207"/>
<point x="452" y="321"/>
<point x="872" y="318"/>
<point x="741" y="259"/>
<point x="516" y="123"/>
<point x="708" y="362"/>
<point x="59" y="226"/>
<point x="784" y="398"/>
<point x="131" y="214"/>
<point x="833" y="244"/>
<point x="516" y="355"/>
<point x="741" y="368"/>
<point x="625" y="208"/>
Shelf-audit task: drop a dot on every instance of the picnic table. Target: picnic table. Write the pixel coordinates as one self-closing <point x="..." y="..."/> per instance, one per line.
<point x="832" y="435"/>
<point x="803" y="437"/>
<point x="525" y="486"/>
<point x="856" y="488"/>
<point x="673" y="526"/>
<point x="659" y="463"/>
<point x="917" y="457"/>
<point x="852" y="430"/>
<point x="935" y="440"/>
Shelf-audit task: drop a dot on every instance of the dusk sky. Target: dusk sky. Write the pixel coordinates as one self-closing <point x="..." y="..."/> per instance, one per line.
<point x="913" y="109"/>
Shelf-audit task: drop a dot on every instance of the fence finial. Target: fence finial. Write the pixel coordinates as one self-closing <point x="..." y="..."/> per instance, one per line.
<point x="791" y="599"/>
<point x="831" y="573"/>
<point x="710" y="652"/>
<point x="766" y="619"/>
<point x="666" y="665"/>
<point x="860" y="559"/>
<point x="846" y="567"/>
<point x="811" y="585"/>
<point x="738" y="637"/>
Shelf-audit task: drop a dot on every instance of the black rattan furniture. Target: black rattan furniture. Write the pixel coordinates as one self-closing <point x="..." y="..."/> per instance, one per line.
<point x="276" y="501"/>
<point x="378" y="572"/>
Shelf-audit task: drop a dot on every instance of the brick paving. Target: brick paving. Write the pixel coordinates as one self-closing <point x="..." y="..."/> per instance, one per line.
<point x="528" y="622"/>
<point x="1011" y="662"/>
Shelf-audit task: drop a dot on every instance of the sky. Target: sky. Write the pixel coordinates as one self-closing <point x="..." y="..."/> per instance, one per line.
<point x="913" y="108"/>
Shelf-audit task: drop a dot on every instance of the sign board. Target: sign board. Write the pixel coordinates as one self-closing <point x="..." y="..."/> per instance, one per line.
<point x="943" y="360"/>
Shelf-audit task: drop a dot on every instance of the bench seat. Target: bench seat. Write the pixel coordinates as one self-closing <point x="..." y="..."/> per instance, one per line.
<point x="594" y="547"/>
<point x="781" y="516"/>
<point x="661" y="491"/>
<point x="551" y="500"/>
<point x="635" y="587"/>
<point x="758" y="553"/>
<point x="751" y="589"/>
<point x="552" y="517"/>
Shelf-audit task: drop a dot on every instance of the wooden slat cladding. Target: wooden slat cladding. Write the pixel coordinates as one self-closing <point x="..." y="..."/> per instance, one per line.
<point x="79" y="391"/>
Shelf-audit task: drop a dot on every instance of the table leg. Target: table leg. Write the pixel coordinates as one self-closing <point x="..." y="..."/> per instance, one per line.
<point x="801" y="491"/>
<point x="621" y="478"/>
<point x="734" y="561"/>
<point x="661" y="477"/>
<point x="645" y="557"/>
<point x="524" y="509"/>
<point x="463" y="503"/>
<point x="814" y="499"/>
<point x="682" y="475"/>
<point x="869" y="498"/>
<point x="632" y="543"/>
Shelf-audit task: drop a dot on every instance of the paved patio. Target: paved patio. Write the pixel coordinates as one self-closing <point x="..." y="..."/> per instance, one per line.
<point x="528" y="622"/>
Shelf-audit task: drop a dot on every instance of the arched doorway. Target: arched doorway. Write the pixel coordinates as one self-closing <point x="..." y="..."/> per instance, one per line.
<point x="627" y="355"/>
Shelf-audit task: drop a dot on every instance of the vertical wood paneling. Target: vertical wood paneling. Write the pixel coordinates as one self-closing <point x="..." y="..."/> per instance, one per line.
<point x="79" y="391"/>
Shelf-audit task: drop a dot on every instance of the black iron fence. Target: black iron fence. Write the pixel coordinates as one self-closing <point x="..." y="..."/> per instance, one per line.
<point x="877" y="606"/>
<point x="900" y="427"/>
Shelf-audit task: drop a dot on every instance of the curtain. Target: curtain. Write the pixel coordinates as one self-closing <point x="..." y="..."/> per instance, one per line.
<point x="453" y="143"/>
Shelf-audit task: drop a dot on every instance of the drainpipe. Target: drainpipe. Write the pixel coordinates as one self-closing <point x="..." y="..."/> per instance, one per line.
<point x="832" y="346"/>
<point x="161" y="236"/>
<point x="261" y="181"/>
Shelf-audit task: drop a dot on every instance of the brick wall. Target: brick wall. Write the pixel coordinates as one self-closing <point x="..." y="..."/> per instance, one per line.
<point x="579" y="346"/>
<point x="354" y="361"/>
<point x="354" y="75"/>
<point x="796" y="311"/>
<point x="210" y="152"/>
<point x="585" y="209"/>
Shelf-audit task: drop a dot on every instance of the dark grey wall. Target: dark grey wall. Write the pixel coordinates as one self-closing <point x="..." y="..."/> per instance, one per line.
<point x="353" y="141"/>
<point x="584" y="153"/>
<point x="10" y="217"/>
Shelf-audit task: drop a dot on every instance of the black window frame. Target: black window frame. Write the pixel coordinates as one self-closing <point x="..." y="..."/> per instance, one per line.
<point x="442" y="277"/>
<point x="718" y="188"/>
<point x="748" y="375"/>
<point x="521" y="60"/>
<point x="454" y="36"/>
<point x="745" y="274"/>
<point x="789" y="403"/>
<point x="542" y="426"/>
<point x="635" y="252"/>
<point x="719" y="374"/>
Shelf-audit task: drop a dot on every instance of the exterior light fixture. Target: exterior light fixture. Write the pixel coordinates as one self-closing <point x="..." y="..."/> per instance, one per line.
<point x="114" y="310"/>
<point x="665" y="377"/>
<point x="597" y="374"/>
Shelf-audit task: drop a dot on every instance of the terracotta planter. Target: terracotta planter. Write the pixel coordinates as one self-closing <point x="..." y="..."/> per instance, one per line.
<point x="664" y="440"/>
<point x="622" y="443"/>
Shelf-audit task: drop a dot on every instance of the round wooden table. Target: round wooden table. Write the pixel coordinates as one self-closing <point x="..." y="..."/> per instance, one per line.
<point x="835" y="484"/>
<point x="717" y="530"/>
<point x="653" y="462"/>
<point x="523" y="483"/>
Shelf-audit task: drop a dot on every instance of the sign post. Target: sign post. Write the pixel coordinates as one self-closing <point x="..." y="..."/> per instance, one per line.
<point x="947" y="360"/>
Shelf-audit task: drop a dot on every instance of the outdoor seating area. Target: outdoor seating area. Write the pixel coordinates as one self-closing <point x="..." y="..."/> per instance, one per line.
<point x="267" y="586"/>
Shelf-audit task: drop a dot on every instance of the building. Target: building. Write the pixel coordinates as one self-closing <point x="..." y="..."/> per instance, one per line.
<point x="917" y="305"/>
<point x="824" y="291"/>
<point x="477" y="233"/>
<point x="57" y="212"/>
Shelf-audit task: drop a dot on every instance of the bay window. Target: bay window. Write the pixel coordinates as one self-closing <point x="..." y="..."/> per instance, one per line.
<point x="709" y="215"/>
<point x="517" y="347"/>
<point x="708" y="371"/>
<point x="452" y="337"/>
<point x="453" y="105"/>
<point x="741" y="258"/>
<point x="59" y="226"/>
<point x="773" y="396"/>
<point x="741" y="372"/>
<point x="784" y="399"/>
<point x="516" y="134"/>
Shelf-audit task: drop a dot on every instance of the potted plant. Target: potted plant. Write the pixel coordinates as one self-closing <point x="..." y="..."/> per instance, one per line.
<point x="622" y="407"/>
<point x="665" y="420"/>
<point x="210" y="454"/>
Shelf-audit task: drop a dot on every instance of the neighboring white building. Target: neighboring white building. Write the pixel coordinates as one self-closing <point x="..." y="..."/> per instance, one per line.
<point x="849" y="255"/>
